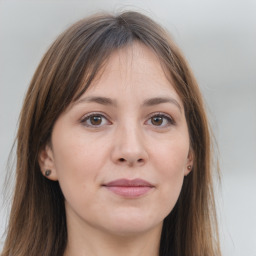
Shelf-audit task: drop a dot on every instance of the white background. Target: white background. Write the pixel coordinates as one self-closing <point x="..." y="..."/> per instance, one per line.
<point x="218" y="38"/>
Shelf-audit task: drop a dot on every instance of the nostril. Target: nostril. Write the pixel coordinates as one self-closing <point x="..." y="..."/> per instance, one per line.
<point x="123" y="160"/>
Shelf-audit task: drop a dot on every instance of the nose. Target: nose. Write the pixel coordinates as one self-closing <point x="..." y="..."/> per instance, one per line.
<point x="129" y="148"/>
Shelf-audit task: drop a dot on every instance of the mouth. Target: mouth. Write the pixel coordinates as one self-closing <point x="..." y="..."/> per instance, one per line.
<point x="129" y="188"/>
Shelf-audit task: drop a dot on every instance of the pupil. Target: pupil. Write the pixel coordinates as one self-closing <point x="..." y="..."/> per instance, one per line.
<point x="157" y="120"/>
<point x="96" y="120"/>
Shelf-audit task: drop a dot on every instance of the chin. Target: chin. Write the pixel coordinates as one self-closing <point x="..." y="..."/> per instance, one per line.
<point x="131" y="224"/>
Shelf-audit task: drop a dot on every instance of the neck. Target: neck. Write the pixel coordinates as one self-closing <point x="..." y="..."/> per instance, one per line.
<point x="91" y="242"/>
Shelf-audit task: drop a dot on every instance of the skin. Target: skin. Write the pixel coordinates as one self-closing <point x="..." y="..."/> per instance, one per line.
<point x="131" y="140"/>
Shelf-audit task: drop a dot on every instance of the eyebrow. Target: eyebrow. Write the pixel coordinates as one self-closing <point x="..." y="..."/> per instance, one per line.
<point x="160" y="100"/>
<point x="101" y="100"/>
<point x="147" y="103"/>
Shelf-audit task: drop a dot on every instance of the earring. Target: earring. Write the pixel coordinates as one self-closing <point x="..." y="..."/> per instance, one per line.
<point x="47" y="173"/>
<point x="189" y="167"/>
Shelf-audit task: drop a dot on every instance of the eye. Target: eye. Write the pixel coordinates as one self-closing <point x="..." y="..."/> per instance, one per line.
<point x="160" y="120"/>
<point x="95" y="120"/>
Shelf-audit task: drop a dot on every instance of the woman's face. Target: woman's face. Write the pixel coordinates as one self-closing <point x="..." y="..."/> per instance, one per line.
<point x="121" y="151"/>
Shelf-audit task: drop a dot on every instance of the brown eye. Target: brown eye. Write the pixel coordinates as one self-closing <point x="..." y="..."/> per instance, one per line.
<point x="160" y="120"/>
<point x="95" y="120"/>
<point x="157" y="120"/>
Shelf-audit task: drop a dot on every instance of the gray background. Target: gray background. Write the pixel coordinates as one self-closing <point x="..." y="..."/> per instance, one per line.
<point x="218" y="38"/>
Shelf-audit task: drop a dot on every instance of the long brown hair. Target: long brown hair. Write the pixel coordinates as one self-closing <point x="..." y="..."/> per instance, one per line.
<point x="37" y="223"/>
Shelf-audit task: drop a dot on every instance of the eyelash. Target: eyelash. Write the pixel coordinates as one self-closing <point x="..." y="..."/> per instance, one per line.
<point x="169" y="119"/>
<point x="87" y="117"/>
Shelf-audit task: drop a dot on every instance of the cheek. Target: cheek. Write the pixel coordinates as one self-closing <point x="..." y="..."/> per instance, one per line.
<point x="77" y="163"/>
<point x="170" y="161"/>
<point x="76" y="154"/>
<point x="171" y="156"/>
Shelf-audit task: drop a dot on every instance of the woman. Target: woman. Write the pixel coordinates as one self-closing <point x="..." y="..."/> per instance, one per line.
<point x="113" y="148"/>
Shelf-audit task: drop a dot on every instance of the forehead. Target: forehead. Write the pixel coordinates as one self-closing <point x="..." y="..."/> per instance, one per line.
<point x="133" y="69"/>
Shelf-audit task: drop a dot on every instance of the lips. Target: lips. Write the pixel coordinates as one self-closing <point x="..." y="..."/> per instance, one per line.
<point x="129" y="188"/>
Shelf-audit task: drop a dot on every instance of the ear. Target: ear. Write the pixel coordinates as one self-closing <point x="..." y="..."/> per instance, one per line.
<point x="190" y="161"/>
<point x="46" y="163"/>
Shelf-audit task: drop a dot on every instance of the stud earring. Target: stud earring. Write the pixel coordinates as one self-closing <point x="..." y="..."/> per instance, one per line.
<point x="189" y="167"/>
<point x="47" y="173"/>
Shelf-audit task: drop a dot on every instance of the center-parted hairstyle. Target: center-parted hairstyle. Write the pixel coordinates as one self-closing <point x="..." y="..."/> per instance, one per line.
<point x="37" y="223"/>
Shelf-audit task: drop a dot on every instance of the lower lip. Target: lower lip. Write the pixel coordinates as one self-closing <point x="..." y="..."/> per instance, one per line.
<point x="129" y="192"/>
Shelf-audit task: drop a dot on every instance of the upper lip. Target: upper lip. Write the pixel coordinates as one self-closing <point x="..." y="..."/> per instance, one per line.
<point x="128" y="183"/>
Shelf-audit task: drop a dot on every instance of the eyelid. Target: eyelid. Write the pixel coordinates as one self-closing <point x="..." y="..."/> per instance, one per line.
<point x="83" y="120"/>
<point x="88" y="115"/>
<point x="164" y="115"/>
